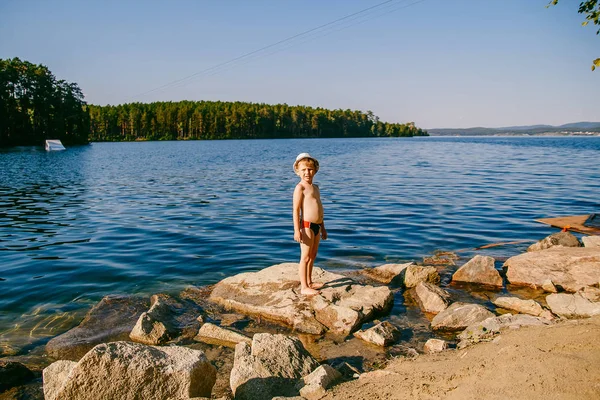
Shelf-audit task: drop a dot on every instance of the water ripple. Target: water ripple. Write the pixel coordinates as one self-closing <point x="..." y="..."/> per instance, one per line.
<point x="155" y="217"/>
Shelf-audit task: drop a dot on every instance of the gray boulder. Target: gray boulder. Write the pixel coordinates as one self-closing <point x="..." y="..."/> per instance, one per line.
<point x="166" y="320"/>
<point x="569" y="268"/>
<point x="318" y="381"/>
<point x="435" y="346"/>
<point x="124" y="370"/>
<point x="487" y="329"/>
<point x="383" y="334"/>
<point x="415" y="274"/>
<point x="561" y="239"/>
<point x="575" y="305"/>
<point x="431" y="298"/>
<point x="112" y="319"/>
<point x="213" y="334"/>
<point x="460" y="315"/>
<point x="480" y="269"/>
<point x="274" y="294"/>
<point x="272" y="366"/>
<point x="530" y="307"/>
<point x="591" y="241"/>
<point x="388" y="272"/>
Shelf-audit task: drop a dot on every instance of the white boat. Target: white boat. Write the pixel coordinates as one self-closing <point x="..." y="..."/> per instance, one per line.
<point x="54" y="145"/>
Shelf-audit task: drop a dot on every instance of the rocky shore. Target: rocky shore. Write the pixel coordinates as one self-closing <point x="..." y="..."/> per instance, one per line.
<point x="254" y="336"/>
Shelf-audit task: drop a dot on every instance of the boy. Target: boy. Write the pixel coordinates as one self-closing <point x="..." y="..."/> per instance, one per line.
<point x="309" y="227"/>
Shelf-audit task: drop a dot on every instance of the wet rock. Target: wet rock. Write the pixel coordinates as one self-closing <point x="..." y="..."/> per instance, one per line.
<point x="431" y="298"/>
<point x="111" y="319"/>
<point x="382" y="334"/>
<point x="486" y="330"/>
<point x="213" y="334"/>
<point x="273" y="366"/>
<point x="415" y="274"/>
<point x="530" y="307"/>
<point x="318" y="381"/>
<point x="31" y="390"/>
<point x="480" y="269"/>
<point x="460" y="315"/>
<point x="591" y="241"/>
<point x="571" y="268"/>
<point x="562" y="239"/>
<point x="274" y="293"/>
<point x="13" y="374"/>
<point x="435" y="346"/>
<point x="572" y="305"/>
<point x="388" y="272"/>
<point x="124" y="370"/>
<point x="166" y="319"/>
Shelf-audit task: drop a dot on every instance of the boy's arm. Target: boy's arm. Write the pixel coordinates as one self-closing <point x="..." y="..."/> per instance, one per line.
<point x="323" y="231"/>
<point x="298" y="197"/>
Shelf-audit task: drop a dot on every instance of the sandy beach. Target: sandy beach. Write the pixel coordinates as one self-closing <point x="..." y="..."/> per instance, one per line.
<point x="560" y="361"/>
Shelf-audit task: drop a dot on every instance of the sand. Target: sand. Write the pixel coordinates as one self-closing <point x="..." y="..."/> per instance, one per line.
<point x="560" y="361"/>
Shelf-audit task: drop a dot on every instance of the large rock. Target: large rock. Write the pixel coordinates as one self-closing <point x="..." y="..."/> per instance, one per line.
<point x="431" y="298"/>
<point x="318" y="381"/>
<point x="572" y="305"/>
<point x="591" y="241"/>
<point x="13" y="374"/>
<point x="124" y="370"/>
<point x="480" y="269"/>
<point x="530" y="307"/>
<point x="560" y="239"/>
<point x="112" y="319"/>
<point x="166" y="319"/>
<point x="382" y="334"/>
<point x="213" y="334"/>
<point x="571" y="268"/>
<point x="416" y="273"/>
<point x="435" y="346"/>
<point x="388" y="272"/>
<point x="274" y="293"/>
<point x="486" y="330"/>
<point x="55" y="375"/>
<point x="272" y="366"/>
<point x="460" y="315"/>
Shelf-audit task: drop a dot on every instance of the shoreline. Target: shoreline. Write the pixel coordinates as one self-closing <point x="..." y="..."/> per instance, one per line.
<point x="416" y="323"/>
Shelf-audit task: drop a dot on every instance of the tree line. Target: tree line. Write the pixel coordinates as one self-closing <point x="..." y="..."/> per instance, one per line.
<point x="206" y="120"/>
<point x="35" y="106"/>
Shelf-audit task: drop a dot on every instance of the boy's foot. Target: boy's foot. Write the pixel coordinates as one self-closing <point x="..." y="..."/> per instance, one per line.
<point x="309" y="291"/>
<point x="316" y="285"/>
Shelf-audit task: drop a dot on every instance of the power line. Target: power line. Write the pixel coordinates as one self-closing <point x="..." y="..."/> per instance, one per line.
<point x="218" y="68"/>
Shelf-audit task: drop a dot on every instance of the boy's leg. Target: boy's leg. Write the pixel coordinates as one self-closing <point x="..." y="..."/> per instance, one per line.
<point x="312" y="256"/>
<point x="305" y="261"/>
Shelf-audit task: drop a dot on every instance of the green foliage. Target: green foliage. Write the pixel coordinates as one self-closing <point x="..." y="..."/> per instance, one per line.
<point x="206" y="120"/>
<point x="591" y="10"/>
<point x="34" y="106"/>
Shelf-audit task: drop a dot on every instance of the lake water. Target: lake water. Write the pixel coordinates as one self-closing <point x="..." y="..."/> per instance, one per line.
<point x="156" y="217"/>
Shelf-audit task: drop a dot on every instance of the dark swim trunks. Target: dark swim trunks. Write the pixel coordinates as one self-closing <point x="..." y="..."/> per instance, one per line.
<point x="313" y="226"/>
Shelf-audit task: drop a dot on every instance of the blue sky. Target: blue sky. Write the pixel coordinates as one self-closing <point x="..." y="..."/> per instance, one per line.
<point x="439" y="63"/>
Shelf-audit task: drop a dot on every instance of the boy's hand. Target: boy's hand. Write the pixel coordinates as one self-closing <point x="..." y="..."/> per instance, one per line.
<point x="323" y="233"/>
<point x="298" y="236"/>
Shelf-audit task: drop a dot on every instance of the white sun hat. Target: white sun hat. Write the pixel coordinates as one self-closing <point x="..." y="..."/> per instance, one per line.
<point x="304" y="156"/>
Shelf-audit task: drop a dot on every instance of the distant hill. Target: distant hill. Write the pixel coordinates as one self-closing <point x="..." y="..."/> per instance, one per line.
<point x="575" y="128"/>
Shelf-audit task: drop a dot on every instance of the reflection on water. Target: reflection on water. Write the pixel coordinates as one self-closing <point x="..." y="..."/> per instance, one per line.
<point x="155" y="217"/>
